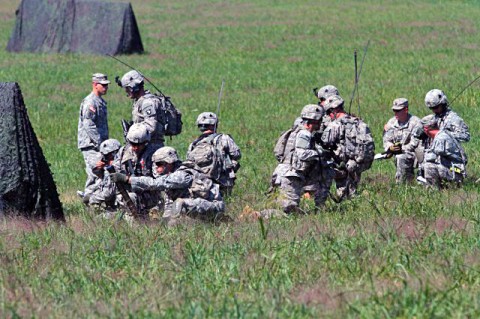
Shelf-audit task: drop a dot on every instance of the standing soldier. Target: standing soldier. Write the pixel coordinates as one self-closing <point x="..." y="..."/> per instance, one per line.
<point x="135" y="159"/>
<point x="398" y="140"/>
<point x="352" y="144"/>
<point x="302" y="163"/>
<point x="216" y="154"/>
<point x="93" y="125"/>
<point x="146" y="107"/>
<point x="444" y="131"/>
<point x="188" y="192"/>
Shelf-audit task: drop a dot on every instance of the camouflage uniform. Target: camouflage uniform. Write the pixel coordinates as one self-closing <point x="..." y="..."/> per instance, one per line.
<point x="92" y="130"/>
<point x="348" y="158"/>
<point x="147" y="110"/>
<point x="396" y="132"/>
<point x="187" y="192"/>
<point x="301" y="167"/>
<point x="230" y="153"/>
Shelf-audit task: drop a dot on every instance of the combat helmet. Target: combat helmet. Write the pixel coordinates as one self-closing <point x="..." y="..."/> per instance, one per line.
<point x="109" y="146"/>
<point x="207" y="118"/>
<point x="133" y="80"/>
<point x="325" y="91"/>
<point x="165" y="154"/>
<point x="312" y="112"/>
<point x="333" y="102"/>
<point x="435" y="97"/>
<point x="138" y="134"/>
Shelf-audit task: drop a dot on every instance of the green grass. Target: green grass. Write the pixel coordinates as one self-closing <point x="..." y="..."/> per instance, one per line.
<point x="394" y="251"/>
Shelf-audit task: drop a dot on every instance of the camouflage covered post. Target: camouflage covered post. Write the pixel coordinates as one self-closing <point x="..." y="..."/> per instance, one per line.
<point x="82" y="26"/>
<point x="26" y="183"/>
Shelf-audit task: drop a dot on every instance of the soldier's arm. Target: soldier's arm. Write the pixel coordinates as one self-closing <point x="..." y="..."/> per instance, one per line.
<point x="388" y="136"/>
<point x="90" y="115"/>
<point x="230" y="147"/>
<point x="459" y="130"/>
<point x="147" y="183"/>
<point x="303" y="147"/>
<point x="149" y="112"/>
<point x="178" y="180"/>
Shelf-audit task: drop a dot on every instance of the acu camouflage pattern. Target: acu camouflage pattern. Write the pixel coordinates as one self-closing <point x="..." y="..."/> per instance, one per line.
<point x="147" y="110"/>
<point x="412" y="151"/>
<point x="229" y="154"/>
<point x="194" y="191"/>
<point x="92" y="131"/>
<point x="353" y="152"/>
<point x="129" y="163"/>
<point x="445" y="158"/>
<point x="26" y="184"/>
<point x="61" y="26"/>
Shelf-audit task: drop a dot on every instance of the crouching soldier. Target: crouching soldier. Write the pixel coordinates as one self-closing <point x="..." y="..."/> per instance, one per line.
<point x="188" y="192"/>
<point x="399" y="142"/>
<point x="442" y="133"/>
<point x="215" y="154"/>
<point x="135" y="159"/>
<point x="301" y="163"/>
<point x="102" y="193"/>
<point x="352" y="144"/>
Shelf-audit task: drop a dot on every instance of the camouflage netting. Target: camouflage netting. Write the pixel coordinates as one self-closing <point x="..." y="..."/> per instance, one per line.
<point x="82" y="26"/>
<point x="26" y="183"/>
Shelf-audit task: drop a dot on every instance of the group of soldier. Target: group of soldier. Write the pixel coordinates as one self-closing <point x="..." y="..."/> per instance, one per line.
<point x="326" y="144"/>
<point x="144" y="176"/>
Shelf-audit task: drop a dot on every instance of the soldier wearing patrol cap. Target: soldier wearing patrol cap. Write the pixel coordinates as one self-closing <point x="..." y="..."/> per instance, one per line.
<point x="93" y="125"/>
<point x="398" y="140"/>
<point x="146" y="108"/>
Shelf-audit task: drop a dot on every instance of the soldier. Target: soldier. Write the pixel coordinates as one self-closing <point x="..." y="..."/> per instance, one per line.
<point x="135" y="159"/>
<point x="93" y="125"/>
<point x="102" y="193"/>
<point x="443" y="132"/>
<point x="398" y="140"/>
<point x="210" y="143"/>
<point x="301" y="164"/>
<point x="188" y="192"/>
<point x="351" y="142"/>
<point x="146" y="107"/>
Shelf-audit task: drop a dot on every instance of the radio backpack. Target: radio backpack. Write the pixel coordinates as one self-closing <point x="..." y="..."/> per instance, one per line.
<point x="359" y="144"/>
<point x="172" y="115"/>
<point x="285" y="145"/>
<point x="207" y="156"/>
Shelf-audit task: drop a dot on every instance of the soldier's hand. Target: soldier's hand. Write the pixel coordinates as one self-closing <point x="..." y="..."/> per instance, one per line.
<point x="119" y="178"/>
<point x="395" y="148"/>
<point x="351" y="166"/>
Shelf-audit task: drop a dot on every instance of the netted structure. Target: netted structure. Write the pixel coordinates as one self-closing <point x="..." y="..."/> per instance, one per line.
<point x="81" y="26"/>
<point x="27" y="187"/>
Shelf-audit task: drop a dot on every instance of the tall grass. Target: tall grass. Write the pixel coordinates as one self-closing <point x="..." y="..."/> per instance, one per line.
<point x="394" y="251"/>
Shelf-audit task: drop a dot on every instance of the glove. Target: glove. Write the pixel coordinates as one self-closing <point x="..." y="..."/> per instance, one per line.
<point x="395" y="148"/>
<point x="351" y="166"/>
<point x="119" y="178"/>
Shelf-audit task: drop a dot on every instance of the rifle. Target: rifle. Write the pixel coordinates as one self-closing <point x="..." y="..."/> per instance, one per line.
<point x="131" y="67"/>
<point x="357" y="78"/>
<point x="123" y="192"/>
<point x="125" y="127"/>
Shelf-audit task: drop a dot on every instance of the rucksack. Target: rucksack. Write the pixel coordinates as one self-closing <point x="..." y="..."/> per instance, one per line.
<point x="172" y="115"/>
<point x="359" y="143"/>
<point x="207" y="156"/>
<point x="285" y="144"/>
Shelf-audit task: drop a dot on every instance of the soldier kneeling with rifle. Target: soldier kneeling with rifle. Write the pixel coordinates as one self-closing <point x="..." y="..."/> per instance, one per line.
<point x="188" y="192"/>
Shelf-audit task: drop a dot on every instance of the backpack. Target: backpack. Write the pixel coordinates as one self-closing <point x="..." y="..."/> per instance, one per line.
<point x="172" y="115"/>
<point x="285" y="145"/>
<point x="359" y="143"/>
<point x="207" y="156"/>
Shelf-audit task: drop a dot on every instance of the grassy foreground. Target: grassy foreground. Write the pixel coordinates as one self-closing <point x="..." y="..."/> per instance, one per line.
<point x="395" y="251"/>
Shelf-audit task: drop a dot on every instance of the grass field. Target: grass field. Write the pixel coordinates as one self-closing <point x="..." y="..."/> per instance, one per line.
<point x="394" y="251"/>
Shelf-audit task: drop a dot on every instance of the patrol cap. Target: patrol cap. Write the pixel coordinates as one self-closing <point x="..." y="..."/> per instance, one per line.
<point x="399" y="104"/>
<point x="100" y="78"/>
